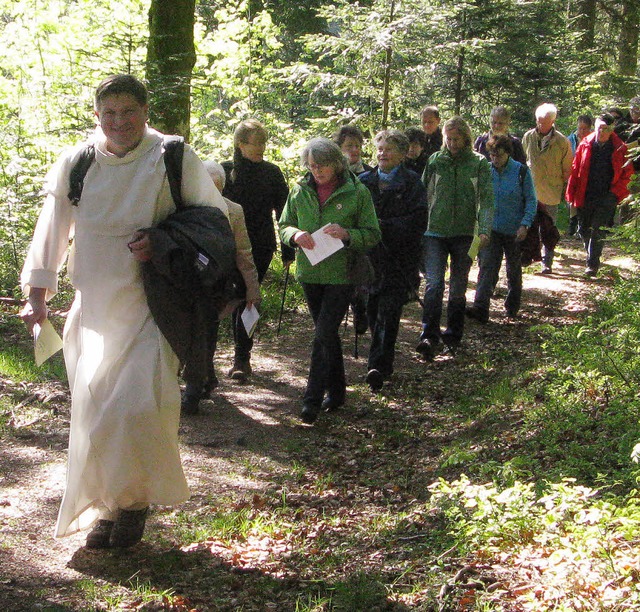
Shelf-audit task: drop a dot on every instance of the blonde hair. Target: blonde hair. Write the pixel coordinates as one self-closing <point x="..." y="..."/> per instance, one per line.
<point x="458" y="123"/>
<point x="246" y="128"/>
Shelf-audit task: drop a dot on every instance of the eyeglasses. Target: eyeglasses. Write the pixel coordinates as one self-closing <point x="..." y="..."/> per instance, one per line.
<point x="313" y="166"/>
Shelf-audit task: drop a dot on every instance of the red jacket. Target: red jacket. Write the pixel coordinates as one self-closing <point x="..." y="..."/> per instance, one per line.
<point x="622" y="170"/>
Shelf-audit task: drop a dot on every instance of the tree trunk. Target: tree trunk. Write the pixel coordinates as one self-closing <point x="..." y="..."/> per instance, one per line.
<point x="628" y="41"/>
<point x="585" y="23"/>
<point x="170" y="59"/>
<point x="457" y="95"/>
<point x="387" y="73"/>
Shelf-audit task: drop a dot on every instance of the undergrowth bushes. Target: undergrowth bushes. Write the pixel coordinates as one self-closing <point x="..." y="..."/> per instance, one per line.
<point x="564" y="536"/>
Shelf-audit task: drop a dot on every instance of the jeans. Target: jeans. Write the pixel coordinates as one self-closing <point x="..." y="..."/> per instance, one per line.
<point x="593" y="220"/>
<point x="548" y="254"/>
<point x="328" y="305"/>
<point x="437" y="252"/>
<point x="490" y="262"/>
<point x="384" y="311"/>
<point x="242" y="342"/>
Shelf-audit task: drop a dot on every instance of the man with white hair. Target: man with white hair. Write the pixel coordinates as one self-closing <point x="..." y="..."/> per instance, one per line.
<point x="549" y="156"/>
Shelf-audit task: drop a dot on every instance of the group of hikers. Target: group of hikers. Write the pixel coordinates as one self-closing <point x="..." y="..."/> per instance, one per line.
<point x="360" y="237"/>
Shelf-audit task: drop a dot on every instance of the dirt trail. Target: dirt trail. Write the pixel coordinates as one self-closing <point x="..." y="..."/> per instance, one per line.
<point x="242" y="438"/>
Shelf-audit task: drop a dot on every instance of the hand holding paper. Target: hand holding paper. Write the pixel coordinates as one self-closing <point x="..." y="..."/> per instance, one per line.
<point x="46" y="341"/>
<point x="250" y="316"/>
<point x="325" y="245"/>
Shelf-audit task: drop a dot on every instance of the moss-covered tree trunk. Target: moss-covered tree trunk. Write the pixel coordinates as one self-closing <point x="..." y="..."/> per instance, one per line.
<point x="170" y="59"/>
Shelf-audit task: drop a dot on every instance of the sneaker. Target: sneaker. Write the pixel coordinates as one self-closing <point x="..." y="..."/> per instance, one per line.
<point x="309" y="413"/>
<point x="240" y="371"/>
<point x="573" y="226"/>
<point x="546" y="270"/>
<point x="374" y="379"/>
<point x="427" y="349"/>
<point x="591" y="272"/>
<point x="476" y="314"/>
<point x="128" y="528"/>
<point x="100" y="535"/>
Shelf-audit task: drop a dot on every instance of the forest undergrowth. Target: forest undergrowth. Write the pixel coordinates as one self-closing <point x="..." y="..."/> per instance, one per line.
<point x="501" y="479"/>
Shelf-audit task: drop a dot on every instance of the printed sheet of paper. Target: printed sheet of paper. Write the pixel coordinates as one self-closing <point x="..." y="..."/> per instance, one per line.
<point x="46" y="341"/>
<point x="250" y="318"/>
<point x="475" y="247"/>
<point x="325" y="245"/>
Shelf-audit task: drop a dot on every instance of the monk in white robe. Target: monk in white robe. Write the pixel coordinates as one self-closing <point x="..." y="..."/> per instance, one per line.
<point x="123" y="446"/>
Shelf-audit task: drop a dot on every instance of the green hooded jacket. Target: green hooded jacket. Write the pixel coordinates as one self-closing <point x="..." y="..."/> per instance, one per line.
<point x="350" y="206"/>
<point x="459" y="194"/>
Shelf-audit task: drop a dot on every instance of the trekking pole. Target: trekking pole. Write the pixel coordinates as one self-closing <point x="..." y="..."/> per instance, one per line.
<point x="284" y="294"/>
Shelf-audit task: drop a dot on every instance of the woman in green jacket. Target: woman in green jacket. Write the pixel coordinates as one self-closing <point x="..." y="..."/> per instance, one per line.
<point x="460" y="205"/>
<point x="331" y="199"/>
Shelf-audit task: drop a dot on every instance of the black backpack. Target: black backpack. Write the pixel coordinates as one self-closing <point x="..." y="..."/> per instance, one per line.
<point x="174" y="152"/>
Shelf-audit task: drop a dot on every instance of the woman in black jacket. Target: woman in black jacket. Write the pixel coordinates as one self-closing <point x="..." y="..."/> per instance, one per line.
<point x="260" y="188"/>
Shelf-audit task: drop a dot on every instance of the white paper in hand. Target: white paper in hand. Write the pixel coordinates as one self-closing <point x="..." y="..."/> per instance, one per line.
<point x="250" y="318"/>
<point x="325" y="245"/>
<point x="46" y="341"/>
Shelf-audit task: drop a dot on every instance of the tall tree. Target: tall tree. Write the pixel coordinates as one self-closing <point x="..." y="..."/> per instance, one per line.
<point x="171" y="56"/>
<point x="628" y="44"/>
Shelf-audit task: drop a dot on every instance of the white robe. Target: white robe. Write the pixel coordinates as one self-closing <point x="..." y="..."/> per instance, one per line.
<point x="123" y="445"/>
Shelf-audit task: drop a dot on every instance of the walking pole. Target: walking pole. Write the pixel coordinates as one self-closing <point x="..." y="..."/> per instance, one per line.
<point x="284" y="294"/>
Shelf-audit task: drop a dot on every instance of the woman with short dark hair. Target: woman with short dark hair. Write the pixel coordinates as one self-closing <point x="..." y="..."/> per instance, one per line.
<point x="514" y="211"/>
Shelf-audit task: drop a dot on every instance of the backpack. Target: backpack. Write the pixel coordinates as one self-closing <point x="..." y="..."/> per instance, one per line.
<point x="213" y="259"/>
<point x="174" y="152"/>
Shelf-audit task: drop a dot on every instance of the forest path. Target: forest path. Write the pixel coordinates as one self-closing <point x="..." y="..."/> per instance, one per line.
<point x="249" y="437"/>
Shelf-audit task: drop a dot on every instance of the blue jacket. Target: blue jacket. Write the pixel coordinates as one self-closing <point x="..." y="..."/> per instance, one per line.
<point x="515" y="205"/>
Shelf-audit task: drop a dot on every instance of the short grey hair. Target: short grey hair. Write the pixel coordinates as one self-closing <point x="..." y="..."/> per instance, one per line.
<point x="395" y="137"/>
<point x="546" y="109"/>
<point x="500" y="111"/>
<point x="215" y="170"/>
<point x="324" y="152"/>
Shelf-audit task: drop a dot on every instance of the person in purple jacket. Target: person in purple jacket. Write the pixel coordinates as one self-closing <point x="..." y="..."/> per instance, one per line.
<point x="515" y="208"/>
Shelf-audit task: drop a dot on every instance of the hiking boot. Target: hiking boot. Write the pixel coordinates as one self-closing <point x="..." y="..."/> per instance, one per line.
<point x="128" y="528"/>
<point x="240" y="371"/>
<point x="309" y="413"/>
<point x="329" y="404"/>
<point x="451" y="348"/>
<point x="590" y="272"/>
<point x="209" y="386"/>
<point x="375" y="380"/>
<point x="190" y="403"/>
<point x="546" y="270"/>
<point x="476" y="314"/>
<point x="427" y="349"/>
<point x="99" y="536"/>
